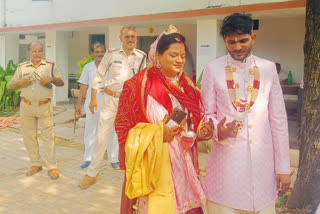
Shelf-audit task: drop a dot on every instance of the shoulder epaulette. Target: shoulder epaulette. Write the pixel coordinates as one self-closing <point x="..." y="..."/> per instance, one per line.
<point x="49" y="62"/>
<point x="140" y="51"/>
<point x="22" y="63"/>
<point x="112" y="49"/>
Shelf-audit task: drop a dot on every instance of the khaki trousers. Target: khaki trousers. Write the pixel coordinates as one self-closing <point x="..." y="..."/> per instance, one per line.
<point x="30" y="117"/>
<point x="108" y="113"/>
<point x="214" y="208"/>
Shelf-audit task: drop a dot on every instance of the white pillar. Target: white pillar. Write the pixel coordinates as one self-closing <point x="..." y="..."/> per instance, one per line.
<point x="114" y="36"/>
<point x="57" y="51"/>
<point x="3" y="15"/>
<point x="12" y="47"/>
<point x="9" y="48"/>
<point x="63" y="64"/>
<point x="2" y="50"/>
<point x="207" y="36"/>
<point x="51" y="55"/>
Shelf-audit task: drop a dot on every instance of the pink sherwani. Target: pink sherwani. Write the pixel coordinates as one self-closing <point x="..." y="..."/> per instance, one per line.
<point x="242" y="174"/>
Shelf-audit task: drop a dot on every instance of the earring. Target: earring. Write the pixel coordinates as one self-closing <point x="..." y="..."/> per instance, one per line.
<point x="158" y="65"/>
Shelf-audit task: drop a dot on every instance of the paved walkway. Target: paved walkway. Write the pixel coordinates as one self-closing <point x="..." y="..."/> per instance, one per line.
<point x="39" y="194"/>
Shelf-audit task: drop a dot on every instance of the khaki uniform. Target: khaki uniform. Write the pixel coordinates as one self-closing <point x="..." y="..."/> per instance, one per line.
<point x="36" y="109"/>
<point x="118" y="67"/>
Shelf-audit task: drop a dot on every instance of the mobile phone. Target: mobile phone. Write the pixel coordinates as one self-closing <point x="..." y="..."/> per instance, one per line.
<point x="176" y="118"/>
<point x="37" y="77"/>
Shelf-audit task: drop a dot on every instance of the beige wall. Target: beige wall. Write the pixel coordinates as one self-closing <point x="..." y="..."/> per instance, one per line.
<point x="79" y="47"/>
<point x="188" y="30"/>
<point x="278" y="40"/>
<point x="79" y="41"/>
<point x="281" y="40"/>
<point x="29" y="13"/>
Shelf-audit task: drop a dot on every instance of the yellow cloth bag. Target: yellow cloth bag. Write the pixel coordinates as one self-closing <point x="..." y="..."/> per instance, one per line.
<point x="148" y="168"/>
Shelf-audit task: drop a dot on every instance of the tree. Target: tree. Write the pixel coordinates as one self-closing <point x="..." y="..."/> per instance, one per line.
<point x="306" y="191"/>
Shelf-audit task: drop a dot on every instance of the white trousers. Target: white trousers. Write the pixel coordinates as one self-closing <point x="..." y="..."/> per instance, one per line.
<point x="214" y="208"/>
<point x="113" y="147"/>
<point x="106" y="122"/>
<point x="90" y="130"/>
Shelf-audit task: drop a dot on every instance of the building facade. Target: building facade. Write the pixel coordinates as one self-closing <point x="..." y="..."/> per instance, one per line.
<point x="67" y="27"/>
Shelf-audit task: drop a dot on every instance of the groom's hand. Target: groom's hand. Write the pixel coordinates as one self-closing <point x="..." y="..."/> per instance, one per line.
<point x="228" y="131"/>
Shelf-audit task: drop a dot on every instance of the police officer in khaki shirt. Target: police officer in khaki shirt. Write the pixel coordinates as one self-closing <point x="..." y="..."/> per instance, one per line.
<point x="119" y="65"/>
<point x="35" y="80"/>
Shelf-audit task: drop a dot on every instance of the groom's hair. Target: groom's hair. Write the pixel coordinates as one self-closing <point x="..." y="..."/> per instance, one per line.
<point x="236" y="23"/>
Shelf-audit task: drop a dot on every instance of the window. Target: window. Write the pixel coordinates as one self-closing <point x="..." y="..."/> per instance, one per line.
<point x="144" y="42"/>
<point x="256" y="24"/>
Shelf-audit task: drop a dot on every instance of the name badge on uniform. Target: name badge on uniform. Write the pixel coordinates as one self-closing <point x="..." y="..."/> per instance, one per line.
<point x="118" y="62"/>
<point x="27" y="74"/>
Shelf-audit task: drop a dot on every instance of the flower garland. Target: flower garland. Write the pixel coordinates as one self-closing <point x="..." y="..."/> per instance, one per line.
<point x="242" y="106"/>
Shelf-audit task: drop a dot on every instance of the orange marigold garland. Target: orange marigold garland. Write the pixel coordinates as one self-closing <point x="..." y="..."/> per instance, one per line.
<point x="242" y="106"/>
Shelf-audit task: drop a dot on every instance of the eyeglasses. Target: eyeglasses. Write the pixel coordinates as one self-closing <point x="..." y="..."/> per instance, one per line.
<point x="34" y="52"/>
<point x="128" y="37"/>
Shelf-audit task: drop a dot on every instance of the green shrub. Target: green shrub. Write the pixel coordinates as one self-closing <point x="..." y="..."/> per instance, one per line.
<point x="82" y="63"/>
<point x="199" y="80"/>
<point x="8" y="98"/>
<point x="281" y="200"/>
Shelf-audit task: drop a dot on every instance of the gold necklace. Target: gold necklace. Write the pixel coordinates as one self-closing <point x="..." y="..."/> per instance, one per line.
<point x="174" y="81"/>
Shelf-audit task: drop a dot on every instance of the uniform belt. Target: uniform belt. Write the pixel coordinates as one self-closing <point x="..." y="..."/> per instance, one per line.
<point x="42" y="102"/>
<point x="112" y="93"/>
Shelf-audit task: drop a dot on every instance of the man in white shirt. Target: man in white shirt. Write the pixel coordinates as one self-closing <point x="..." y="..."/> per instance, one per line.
<point x="86" y="78"/>
<point x="118" y="65"/>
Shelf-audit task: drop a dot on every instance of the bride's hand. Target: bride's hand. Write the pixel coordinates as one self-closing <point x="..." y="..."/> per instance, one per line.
<point x="206" y="130"/>
<point x="169" y="133"/>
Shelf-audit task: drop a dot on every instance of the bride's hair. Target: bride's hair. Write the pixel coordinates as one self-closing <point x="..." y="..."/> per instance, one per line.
<point x="166" y="40"/>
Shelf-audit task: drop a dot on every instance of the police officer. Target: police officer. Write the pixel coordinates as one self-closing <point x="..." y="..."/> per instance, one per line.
<point x="35" y="78"/>
<point x="119" y="65"/>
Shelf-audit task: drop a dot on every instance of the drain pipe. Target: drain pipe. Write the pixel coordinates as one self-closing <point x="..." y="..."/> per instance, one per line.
<point x="2" y="35"/>
<point x="3" y="6"/>
<point x="4" y="2"/>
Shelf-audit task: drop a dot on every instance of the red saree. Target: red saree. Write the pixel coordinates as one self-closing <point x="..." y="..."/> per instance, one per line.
<point x="132" y="110"/>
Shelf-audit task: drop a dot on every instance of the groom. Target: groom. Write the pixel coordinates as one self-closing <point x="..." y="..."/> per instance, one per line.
<point x="249" y="162"/>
